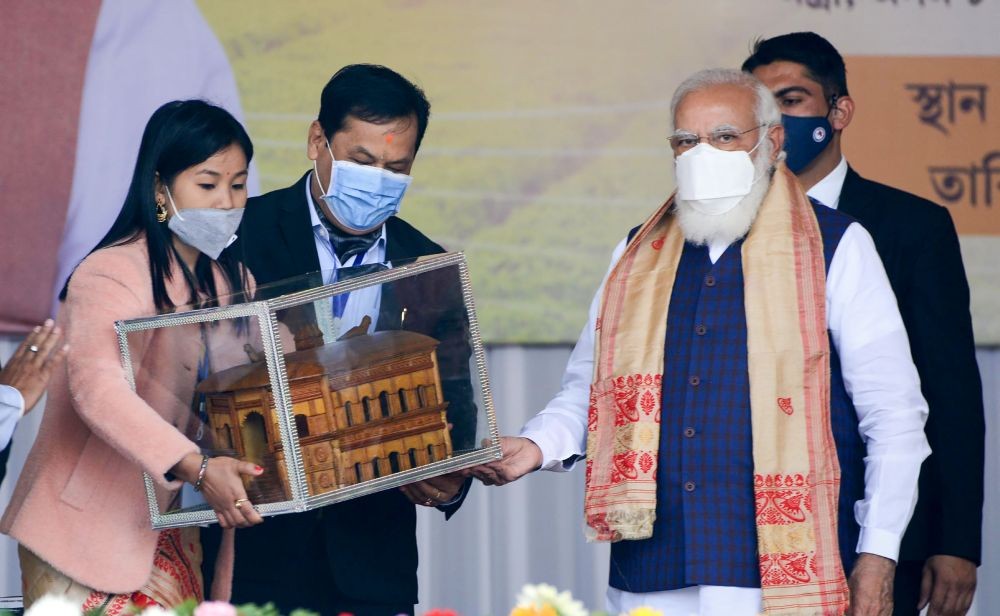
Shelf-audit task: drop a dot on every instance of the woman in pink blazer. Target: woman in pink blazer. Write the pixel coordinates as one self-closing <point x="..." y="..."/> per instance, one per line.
<point x="79" y="511"/>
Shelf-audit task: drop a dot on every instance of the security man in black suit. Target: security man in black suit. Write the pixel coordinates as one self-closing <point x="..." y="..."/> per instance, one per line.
<point x="359" y="556"/>
<point x="919" y="247"/>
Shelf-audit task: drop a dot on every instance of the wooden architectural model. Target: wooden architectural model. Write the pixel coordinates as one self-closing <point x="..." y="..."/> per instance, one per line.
<point x="364" y="407"/>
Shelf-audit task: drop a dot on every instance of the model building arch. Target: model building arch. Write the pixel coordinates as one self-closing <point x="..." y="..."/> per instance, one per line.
<point x="351" y="427"/>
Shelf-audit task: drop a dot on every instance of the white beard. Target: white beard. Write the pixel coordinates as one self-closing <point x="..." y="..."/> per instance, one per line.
<point x="723" y="229"/>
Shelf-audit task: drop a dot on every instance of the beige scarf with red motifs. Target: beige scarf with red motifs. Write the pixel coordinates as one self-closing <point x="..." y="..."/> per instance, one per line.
<point x="796" y="473"/>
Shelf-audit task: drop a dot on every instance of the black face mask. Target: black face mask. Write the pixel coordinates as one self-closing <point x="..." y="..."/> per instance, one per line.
<point x="805" y="138"/>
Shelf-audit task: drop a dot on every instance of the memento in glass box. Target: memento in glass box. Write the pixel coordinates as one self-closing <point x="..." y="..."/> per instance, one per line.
<point x="337" y="385"/>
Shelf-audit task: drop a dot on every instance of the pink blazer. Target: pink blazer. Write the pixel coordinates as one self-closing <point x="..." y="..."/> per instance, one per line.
<point x="80" y="503"/>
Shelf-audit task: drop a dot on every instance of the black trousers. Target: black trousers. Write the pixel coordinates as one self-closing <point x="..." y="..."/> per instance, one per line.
<point x="313" y="587"/>
<point x="906" y="587"/>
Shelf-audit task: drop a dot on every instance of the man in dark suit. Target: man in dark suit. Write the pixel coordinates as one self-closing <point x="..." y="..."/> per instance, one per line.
<point x="917" y="242"/>
<point x="359" y="556"/>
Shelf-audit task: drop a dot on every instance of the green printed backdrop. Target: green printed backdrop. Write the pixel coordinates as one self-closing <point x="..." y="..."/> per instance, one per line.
<point x="547" y="139"/>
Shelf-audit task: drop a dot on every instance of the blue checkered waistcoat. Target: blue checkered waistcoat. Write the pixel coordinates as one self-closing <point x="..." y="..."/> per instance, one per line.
<point x="705" y="531"/>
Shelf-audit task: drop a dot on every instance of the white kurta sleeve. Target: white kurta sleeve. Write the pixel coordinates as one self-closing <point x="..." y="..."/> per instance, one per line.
<point x="11" y="409"/>
<point x="560" y="429"/>
<point x="882" y="381"/>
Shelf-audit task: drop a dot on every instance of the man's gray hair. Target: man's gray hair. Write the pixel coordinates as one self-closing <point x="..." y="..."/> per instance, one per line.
<point x="767" y="109"/>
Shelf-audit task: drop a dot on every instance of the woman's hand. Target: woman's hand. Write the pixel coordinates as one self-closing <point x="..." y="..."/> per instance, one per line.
<point x="30" y="367"/>
<point x="223" y="488"/>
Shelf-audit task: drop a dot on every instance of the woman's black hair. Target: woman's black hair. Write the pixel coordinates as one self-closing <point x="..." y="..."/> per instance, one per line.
<point x="179" y="135"/>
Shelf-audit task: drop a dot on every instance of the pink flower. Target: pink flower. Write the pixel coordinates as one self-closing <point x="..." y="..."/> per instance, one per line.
<point x="440" y="612"/>
<point x="215" y="608"/>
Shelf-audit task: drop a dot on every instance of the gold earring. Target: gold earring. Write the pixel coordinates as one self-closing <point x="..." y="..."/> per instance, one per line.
<point x="161" y="211"/>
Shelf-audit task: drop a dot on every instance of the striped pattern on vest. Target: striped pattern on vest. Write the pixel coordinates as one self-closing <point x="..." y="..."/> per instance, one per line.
<point x="705" y="531"/>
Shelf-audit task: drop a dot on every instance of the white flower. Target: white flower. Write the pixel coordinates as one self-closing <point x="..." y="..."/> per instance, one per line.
<point x="215" y="608"/>
<point x="540" y="595"/>
<point x="54" y="605"/>
<point x="156" y="610"/>
<point x="536" y="595"/>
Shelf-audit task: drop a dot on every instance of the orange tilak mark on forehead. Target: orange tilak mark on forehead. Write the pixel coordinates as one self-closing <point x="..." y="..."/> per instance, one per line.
<point x="388" y="138"/>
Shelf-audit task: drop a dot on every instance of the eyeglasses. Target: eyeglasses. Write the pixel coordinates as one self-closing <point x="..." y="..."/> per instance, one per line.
<point x="723" y="139"/>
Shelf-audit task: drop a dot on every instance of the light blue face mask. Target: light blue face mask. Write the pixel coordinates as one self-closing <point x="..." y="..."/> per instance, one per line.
<point x="362" y="197"/>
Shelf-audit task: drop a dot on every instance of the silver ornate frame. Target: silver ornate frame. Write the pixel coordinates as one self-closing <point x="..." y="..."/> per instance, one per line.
<point x="266" y="312"/>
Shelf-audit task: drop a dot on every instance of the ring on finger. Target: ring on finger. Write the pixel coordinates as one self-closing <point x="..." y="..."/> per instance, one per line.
<point x="239" y="502"/>
<point x="438" y="495"/>
<point x="33" y="348"/>
<point x="428" y="502"/>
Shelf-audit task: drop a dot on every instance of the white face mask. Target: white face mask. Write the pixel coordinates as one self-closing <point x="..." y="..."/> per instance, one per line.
<point x="209" y="230"/>
<point x="713" y="181"/>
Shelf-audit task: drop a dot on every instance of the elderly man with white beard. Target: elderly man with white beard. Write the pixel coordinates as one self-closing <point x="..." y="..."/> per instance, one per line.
<point x="743" y="392"/>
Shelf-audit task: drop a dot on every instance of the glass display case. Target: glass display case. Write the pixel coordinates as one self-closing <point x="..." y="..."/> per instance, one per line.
<point x="337" y="384"/>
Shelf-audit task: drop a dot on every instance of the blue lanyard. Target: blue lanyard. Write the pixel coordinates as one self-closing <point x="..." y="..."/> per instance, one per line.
<point x="204" y="370"/>
<point x="204" y="364"/>
<point x="340" y="300"/>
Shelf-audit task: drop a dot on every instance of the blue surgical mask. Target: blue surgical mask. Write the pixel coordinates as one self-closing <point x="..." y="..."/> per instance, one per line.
<point x="210" y="230"/>
<point x="805" y="138"/>
<point x="362" y="197"/>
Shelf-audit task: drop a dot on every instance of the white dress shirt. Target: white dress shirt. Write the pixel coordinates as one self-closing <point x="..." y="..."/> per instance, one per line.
<point x="11" y="409"/>
<point x="879" y="375"/>
<point x="827" y="190"/>
<point x="360" y="303"/>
